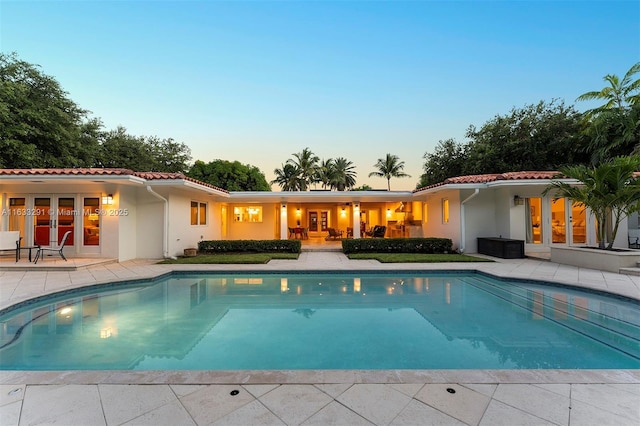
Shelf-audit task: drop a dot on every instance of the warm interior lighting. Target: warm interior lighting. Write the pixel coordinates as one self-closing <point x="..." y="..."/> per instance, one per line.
<point x="105" y="333"/>
<point x="388" y="212"/>
<point x="107" y="200"/>
<point x="356" y="285"/>
<point x="93" y="217"/>
<point x="284" y="285"/>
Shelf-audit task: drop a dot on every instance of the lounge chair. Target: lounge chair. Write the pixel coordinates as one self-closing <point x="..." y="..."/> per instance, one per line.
<point x="10" y="241"/>
<point x="378" y="231"/>
<point x="41" y="250"/>
<point x="334" y="234"/>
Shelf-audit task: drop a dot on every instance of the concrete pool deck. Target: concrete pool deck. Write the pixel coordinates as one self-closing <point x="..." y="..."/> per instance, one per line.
<point x="398" y="397"/>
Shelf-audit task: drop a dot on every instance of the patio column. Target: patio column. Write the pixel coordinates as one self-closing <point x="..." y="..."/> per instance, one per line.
<point x="356" y="219"/>
<point x="284" y="231"/>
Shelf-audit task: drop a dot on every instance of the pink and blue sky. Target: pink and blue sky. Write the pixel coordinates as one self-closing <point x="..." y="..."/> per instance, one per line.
<point x="256" y="81"/>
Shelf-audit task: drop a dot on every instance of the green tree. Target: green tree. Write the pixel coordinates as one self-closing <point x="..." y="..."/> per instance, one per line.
<point x="610" y="190"/>
<point x="119" y="149"/>
<point x="364" y="187"/>
<point x="618" y="94"/>
<point x="389" y="167"/>
<point x="306" y="163"/>
<point x="614" y="127"/>
<point x="324" y="173"/>
<point x="39" y="125"/>
<point x="344" y="174"/>
<point x="149" y="154"/>
<point x="232" y="176"/>
<point x="545" y="136"/>
<point x="288" y="178"/>
<point x="448" y="160"/>
<point x="169" y="155"/>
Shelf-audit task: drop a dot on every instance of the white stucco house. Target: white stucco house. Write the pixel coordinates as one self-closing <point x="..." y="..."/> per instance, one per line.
<point x="122" y="214"/>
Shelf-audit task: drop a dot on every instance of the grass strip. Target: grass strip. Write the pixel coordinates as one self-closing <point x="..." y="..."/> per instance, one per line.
<point x="239" y="258"/>
<point x="417" y="257"/>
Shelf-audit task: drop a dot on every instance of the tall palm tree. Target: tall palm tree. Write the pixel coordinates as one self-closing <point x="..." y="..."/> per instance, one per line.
<point x="344" y="174"/>
<point x="288" y="178"/>
<point x="614" y="126"/>
<point x="618" y="94"/>
<point x="306" y="162"/>
<point x="324" y="173"/>
<point x="611" y="191"/>
<point x="389" y="167"/>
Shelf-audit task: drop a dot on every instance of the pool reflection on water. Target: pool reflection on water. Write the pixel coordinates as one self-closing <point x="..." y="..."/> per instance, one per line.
<point x="402" y="320"/>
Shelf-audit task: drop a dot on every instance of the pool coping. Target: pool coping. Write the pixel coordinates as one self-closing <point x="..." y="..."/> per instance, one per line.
<point x="206" y="377"/>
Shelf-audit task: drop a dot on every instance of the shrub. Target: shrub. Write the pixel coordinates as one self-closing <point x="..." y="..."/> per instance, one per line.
<point x="250" y="246"/>
<point x="397" y="245"/>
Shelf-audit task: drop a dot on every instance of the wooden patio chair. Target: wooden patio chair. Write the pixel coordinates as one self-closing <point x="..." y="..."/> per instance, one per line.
<point x="334" y="234"/>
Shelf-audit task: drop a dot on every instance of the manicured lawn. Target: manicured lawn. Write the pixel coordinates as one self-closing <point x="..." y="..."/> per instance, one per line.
<point x="417" y="257"/>
<point x="242" y="258"/>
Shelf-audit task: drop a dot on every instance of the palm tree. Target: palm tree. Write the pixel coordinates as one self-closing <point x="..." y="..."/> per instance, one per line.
<point x="389" y="167"/>
<point x="288" y="177"/>
<point x="614" y="126"/>
<point x="324" y="173"/>
<point x="611" y="191"/>
<point x="306" y="162"/>
<point x="618" y="94"/>
<point x="344" y="174"/>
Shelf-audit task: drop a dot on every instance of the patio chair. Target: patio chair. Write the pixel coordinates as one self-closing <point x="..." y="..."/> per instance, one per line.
<point x="41" y="250"/>
<point x="379" y="231"/>
<point x="634" y="239"/>
<point x="334" y="234"/>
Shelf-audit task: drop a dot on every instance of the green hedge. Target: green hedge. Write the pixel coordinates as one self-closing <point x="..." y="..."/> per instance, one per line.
<point x="397" y="245"/>
<point x="250" y="246"/>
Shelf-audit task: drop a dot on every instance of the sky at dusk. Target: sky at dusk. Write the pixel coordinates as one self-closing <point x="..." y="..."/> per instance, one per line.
<point x="256" y="81"/>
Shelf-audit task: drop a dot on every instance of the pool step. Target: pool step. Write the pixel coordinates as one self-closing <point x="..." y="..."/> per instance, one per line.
<point x="607" y="325"/>
<point x="631" y="271"/>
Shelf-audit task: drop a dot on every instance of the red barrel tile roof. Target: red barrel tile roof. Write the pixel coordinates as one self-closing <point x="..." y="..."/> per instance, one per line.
<point x="106" y="172"/>
<point x="492" y="177"/>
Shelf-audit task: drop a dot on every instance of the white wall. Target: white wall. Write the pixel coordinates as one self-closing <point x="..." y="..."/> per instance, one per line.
<point x="481" y="218"/>
<point x="434" y="226"/>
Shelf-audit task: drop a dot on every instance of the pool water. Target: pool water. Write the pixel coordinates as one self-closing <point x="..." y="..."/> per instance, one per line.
<point x="402" y="320"/>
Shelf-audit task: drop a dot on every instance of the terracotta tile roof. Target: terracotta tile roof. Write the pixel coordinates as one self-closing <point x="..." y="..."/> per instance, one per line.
<point x="105" y="172"/>
<point x="67" y="171"/>
<point x="492" y="177"/>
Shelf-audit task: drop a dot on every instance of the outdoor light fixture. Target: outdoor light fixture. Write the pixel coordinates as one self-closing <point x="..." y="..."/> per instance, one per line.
<point x="517" y="201"/>
<point x="107" y="199"/>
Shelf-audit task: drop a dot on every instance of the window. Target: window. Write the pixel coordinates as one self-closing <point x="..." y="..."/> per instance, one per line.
<point x="198" y="213"/>
<point x="91" y="221"/>
<point x="425" y="214"/>
<point x="445" y="210"/>
<point x="247" y="214"/>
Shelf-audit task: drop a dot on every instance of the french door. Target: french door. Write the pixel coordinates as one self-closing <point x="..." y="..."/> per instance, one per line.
<point x="53" y="216"/>
<point x="568" y="222"/>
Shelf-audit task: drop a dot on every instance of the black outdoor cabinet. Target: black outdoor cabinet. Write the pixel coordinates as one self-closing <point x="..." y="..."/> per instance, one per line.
<point x="501" y="247"/>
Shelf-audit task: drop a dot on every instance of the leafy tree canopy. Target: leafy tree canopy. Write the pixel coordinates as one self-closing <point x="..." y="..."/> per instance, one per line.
<point x="545" y="136"/>
<point x="39" y="125"/>
<point x="232" y="176"/>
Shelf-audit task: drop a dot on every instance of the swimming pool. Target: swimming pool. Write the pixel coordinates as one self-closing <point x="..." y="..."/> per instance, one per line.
<point x="359" y="320"/>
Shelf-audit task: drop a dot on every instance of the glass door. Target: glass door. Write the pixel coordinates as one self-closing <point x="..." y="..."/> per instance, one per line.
<point x="558" y="221"/>
<point x="52" y="218"/>
<point x="578" y="224"/>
